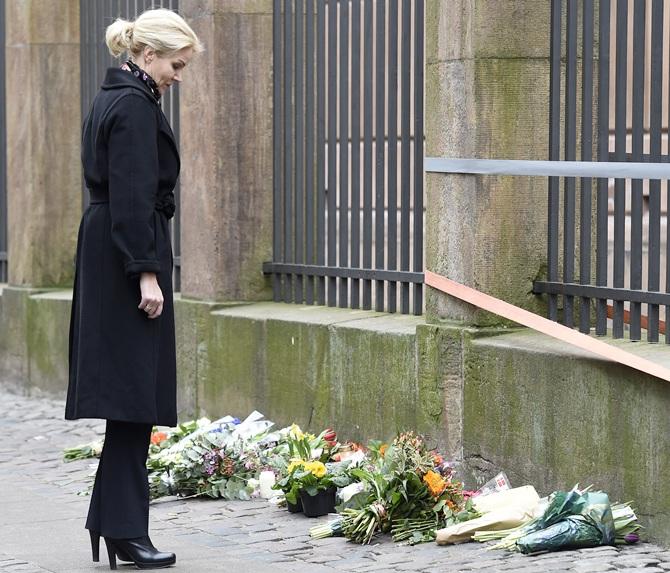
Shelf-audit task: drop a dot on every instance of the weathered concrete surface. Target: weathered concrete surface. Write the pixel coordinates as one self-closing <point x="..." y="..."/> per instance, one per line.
<point x="226" y="147"/>
<point x="43" y="133"/>
<point x="553" y="416"/>
<point x="314" y="366"/>
<point x="487" y="86"/>
<point x="496" y="398"/>
<point x="14" y="345"/>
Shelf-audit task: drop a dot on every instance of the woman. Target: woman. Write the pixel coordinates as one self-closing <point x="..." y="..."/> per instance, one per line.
<point x="122" y="342"/>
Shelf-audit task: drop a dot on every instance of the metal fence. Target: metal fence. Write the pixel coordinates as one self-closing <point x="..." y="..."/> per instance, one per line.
<point x="348" y="153"/>
<point x="3" y="152"/>
<point x="613" y="248"/>
<point x="95" y="58"/>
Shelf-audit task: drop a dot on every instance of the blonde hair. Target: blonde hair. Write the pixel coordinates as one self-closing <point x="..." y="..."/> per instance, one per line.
<point x="163" y="30"/>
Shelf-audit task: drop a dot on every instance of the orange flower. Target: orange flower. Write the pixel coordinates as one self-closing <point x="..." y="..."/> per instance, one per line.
<point x="382" y="449"/>
<point x="158" y="437"/>
<point x="435" y="483"/>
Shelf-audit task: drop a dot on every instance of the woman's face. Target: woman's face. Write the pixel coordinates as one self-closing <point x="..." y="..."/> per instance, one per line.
<point x="165" y="70"/>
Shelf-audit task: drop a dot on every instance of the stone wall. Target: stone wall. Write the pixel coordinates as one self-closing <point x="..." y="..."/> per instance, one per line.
<point x="498" y="400"/>
<point x="43" y="134"/>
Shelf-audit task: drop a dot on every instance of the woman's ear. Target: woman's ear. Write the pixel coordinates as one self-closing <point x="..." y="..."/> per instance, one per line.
<point x="149" y="53"/>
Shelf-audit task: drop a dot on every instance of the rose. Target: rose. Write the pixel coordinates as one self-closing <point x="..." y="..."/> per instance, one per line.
<point x="330" y="437"/>
<point x="158" y="437"/>
<point x="631" y="538"/>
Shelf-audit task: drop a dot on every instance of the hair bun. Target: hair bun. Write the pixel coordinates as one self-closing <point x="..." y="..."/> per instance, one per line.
<point x="119" y="37"/>
<point x="128" y="33"/>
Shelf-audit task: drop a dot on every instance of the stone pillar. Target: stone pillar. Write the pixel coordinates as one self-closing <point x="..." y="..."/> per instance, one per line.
<point x="487" y="97"/>
<point x="43" y="140"/>
<point x="226" y="150"/>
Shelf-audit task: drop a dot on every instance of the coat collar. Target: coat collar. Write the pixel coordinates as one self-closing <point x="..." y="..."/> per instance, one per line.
<point x="116" y="78"/>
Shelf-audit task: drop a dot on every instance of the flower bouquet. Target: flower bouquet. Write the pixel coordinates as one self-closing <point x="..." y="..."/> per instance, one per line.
<point x="216" y="460"/>
<point x="408" y="490"/>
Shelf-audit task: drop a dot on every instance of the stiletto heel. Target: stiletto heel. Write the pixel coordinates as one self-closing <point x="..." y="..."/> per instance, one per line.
<point x="111" y="553"/>
<point x="95" y="545"/>
<point x="140" y="551"/>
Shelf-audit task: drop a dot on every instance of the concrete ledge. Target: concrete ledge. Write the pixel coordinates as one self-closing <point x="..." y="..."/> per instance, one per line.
<point x="312" y="365"/>
<point x="553" y="416"/>
<point x="514" y="400"/>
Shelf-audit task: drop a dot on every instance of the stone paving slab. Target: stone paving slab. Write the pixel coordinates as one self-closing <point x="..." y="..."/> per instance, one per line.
<point x="42" y="521"/>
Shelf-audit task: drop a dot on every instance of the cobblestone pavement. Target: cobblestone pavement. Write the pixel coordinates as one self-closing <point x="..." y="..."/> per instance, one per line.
<point x="42" y="521"/>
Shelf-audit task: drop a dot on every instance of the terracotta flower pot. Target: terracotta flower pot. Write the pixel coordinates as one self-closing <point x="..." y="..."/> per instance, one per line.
<point x="320" y="504"/>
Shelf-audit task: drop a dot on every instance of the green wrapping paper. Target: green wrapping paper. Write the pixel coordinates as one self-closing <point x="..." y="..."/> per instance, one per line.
<point x="572" y="521"/>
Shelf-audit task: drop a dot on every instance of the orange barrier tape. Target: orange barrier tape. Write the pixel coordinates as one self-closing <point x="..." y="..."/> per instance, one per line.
<point x="544" y="325"/>
<point x="644" y="321"/>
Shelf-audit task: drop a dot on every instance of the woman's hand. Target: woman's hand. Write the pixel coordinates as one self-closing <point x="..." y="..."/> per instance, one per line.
<point x="152" y="295"/>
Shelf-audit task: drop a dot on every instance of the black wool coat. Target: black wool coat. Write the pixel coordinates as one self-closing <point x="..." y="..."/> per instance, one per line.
<point x="122" y="364"/>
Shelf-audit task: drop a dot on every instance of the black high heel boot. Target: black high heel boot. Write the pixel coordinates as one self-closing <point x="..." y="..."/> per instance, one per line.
<point x="140" y="551"/>
<point x="95" y="548"/>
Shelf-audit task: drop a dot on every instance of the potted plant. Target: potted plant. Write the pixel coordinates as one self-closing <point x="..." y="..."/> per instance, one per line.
<point x="316" y="488"/>
<point x="291" y="487"/>
<point x="306" y="481"/>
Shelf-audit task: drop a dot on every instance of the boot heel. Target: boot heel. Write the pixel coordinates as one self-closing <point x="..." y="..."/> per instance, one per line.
<point x="95" y="545"/>
<point x="111" y="553"/>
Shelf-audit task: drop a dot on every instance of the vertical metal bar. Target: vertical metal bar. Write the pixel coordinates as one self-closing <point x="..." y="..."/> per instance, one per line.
<point x="636" y="184"/>
<point x="344" y="152"/>
<point x="332" y="148"/>
<point x="321" y="147"/>
<point x="554" y="151"/>
<point x="659" y="89"/>
<point x="176" y="237"/>
<point x="309" y="148"/>
<point x="380" y="139"/>
<point x="620" y="154"/>
<point x="101" y="50"/>
<point x="299" y="192"/>
<point x="277" y="138"/>
<point x="85" y="60"/>
<point x="288" y="145"/>
<point x="355" y="147"/>
<point x="405" y="148"/>
<point x="418" y="150"/>
<point x="570" y="145"/>
<point x="3" y="151"/>
<point x="367" y="148"/>
<point x="586" y="155"/>
<point x="603" y="134"/>
<point x="655" y="128"/>
<point x="392" y="169"/>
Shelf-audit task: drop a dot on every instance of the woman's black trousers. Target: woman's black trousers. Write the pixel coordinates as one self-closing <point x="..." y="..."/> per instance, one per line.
<point x="119" y="506"/>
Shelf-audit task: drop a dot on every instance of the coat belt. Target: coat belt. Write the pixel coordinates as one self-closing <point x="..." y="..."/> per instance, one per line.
<point x="167" y="210"/>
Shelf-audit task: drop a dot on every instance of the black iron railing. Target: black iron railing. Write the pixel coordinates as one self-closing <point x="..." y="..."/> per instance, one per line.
<point x="95" y="59"/>
<point x="631" y="261"/>
<point x="582" y="290"/>
<point x="348" y="153"/>
<point x="3" y="151"/>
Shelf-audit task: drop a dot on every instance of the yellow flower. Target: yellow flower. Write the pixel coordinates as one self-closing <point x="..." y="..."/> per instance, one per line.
<point x="295" y="432"/>
<point x="318" y="469"/>
<point x="295" y="463"/>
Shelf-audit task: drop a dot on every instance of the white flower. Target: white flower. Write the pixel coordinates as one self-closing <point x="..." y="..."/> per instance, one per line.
<point x="346" y="493"/>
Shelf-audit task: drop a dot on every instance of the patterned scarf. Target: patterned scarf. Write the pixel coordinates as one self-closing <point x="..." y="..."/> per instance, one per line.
<point x="138" y="72"/>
